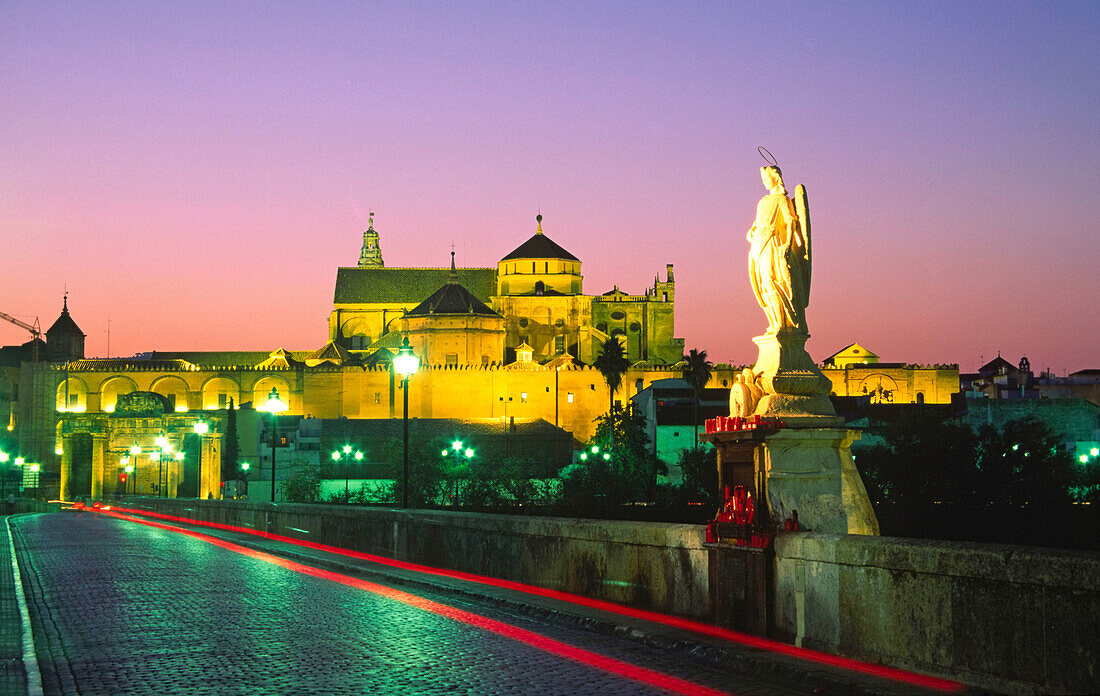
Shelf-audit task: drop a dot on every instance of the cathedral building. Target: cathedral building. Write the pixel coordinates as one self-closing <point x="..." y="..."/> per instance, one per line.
<point x="510" y="346"/>
<point x="536" y="289"/>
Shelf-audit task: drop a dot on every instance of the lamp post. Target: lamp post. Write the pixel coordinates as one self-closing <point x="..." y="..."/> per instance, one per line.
<point x="201" y="428"/>
<point x="3" y="472"/>
<point x="134" y="452"/>
<point x="405" y="363"/>
<point x="347" y="454"/>
<point x="274" y="406"/>
<point x="164" y="450"/>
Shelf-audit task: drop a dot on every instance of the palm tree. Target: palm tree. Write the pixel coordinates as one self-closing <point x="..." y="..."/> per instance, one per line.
<point x="697" y="374"/>
<point x="612" y="364"/>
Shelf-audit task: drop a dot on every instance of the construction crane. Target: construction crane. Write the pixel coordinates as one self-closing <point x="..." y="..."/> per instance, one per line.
<point x="35" y="329"/>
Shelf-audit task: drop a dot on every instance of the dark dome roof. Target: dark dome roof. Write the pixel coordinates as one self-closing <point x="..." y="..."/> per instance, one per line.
<point x="539" y="246"/>
<point x="64" y="324"/>
<point x="452" y="298"/>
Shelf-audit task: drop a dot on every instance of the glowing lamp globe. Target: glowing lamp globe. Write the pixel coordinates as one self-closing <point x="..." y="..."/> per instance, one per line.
<point x="405" y="362"/>
<point x="274" y="404"/>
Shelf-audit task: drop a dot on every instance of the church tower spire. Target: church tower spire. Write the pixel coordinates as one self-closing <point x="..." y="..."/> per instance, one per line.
<point x="371" y="254"/>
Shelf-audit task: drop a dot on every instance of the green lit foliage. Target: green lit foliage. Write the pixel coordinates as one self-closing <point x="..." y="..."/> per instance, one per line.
<point x="627" y="475"/>
<point x="304" y="486"/>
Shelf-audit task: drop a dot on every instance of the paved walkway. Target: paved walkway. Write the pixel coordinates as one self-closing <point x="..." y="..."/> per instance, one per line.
<point x="120" y="607"/>
<point x="13" y="675"/>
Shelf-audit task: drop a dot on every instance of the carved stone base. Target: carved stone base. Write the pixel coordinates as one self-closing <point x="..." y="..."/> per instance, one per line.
<point x="795" y="389"/>
<point x="812" y="471"/>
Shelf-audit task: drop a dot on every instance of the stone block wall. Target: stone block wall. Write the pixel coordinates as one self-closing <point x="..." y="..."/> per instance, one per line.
<point x="1011" y="618"/>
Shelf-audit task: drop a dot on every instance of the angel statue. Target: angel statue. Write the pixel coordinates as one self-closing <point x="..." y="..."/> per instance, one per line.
<point x="779" y="254"/>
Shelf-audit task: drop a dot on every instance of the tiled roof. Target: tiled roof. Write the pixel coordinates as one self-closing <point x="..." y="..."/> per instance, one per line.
<point x="222" y="358"/>
<point x="452" y="298"/>
<point x="126" y="364"/>
<point x="64" y="325"/>
<point x="406" y="285"/>
<point x="539" y="246"/>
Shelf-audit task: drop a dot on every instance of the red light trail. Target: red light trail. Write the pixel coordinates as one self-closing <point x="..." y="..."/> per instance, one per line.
<point x="549" y="645"/>
<point x="882" y="671"/>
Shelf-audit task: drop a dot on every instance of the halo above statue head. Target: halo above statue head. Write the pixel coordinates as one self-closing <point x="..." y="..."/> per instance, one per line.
<point x="768" y="156"/>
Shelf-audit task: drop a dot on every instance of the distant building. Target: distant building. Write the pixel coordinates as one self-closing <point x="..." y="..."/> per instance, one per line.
<point x="668" y="406"/>
<point x="536" y="289"/>
<point x="856" y="371"/>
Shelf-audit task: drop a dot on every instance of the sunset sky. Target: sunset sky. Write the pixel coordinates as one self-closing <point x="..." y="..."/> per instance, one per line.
<point x="194" y="173"/>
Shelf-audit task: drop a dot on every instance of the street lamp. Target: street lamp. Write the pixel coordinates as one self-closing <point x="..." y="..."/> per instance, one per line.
<point x="405" y="363"/>
<point x="347" y="454"/>
<point x="244" y="477"/>
<point x="201" y="428"/>
<point x="134" y="452"/>
<point x="165" y="450"/>
<point x="274" y="406"/>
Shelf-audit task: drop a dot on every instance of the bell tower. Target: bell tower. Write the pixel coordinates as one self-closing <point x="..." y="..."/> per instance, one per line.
<point x="371" y="254"/>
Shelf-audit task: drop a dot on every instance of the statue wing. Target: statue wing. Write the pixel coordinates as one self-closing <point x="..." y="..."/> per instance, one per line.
<point x="802" y="207"/>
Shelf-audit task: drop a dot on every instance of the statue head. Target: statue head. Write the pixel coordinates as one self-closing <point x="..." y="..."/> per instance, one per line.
<point x="772" y="177"/>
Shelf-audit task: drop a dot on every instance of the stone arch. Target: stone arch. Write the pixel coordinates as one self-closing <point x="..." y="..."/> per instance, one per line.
<point x="111" y="388"/>
<point x="356" y="333"/>
<point x="217" y="391"/>
<point x="73" y="398"/>
<point x="262" y="388"/>
<point x="174" y="389"/>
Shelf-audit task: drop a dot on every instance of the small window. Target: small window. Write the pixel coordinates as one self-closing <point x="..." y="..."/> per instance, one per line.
<point x="592" y="387"/>
<point x="569" y="397"/>
<point x="546" y="267"/>
<point x="618" y="316"/>
<point x="601" y="327"/>
<point x="377" y="397"/>
<point x="523" y="397"/>
<point x="451" y="358"/>
<point x="635" y="326"/>
<point x="74" y="400"/>
<point x="523" y="322"/>
<point x="559" y="323"/>
<point x="559" y="344"/>
<point x="664" y="297"/>
<point x="223" y="400"/>
<point x="484" y="360"/>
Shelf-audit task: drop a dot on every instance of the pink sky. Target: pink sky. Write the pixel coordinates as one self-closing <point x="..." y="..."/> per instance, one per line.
<point x="194" y="173"/>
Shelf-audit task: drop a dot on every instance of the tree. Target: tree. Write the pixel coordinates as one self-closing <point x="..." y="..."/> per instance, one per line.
<point x="305" y="485"/>
<point x="612" y="364"/>
<point x="700" y="471"/>
<point x="232" y="449"/>
<point x="697" y="374"/>
<point x="629" y="472"/>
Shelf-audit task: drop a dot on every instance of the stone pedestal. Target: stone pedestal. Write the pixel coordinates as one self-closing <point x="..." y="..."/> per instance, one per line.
<point x="811" y="470"/>
<point x="794" y="388"/>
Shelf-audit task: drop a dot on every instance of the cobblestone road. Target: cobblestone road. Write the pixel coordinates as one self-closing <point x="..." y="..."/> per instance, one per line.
<point x="122" y="608"/>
